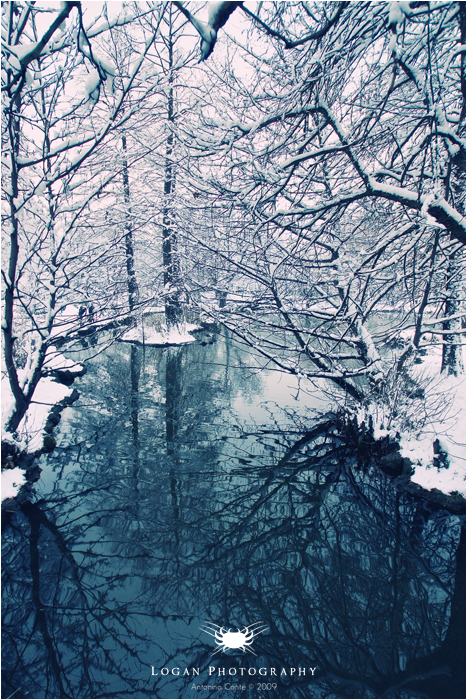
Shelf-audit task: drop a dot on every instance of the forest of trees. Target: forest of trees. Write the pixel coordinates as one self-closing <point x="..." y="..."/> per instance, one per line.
<point x="294" y="178"/>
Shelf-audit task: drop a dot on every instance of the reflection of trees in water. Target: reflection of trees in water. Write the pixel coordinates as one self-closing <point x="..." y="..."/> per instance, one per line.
<point x="345" y="569"/>
<point x="351" y="575"/>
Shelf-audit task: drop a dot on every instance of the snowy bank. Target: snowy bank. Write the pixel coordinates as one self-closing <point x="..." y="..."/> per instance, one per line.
<point x="448" y="477"/>
<point x="428" y="423"/>
<point x="12" y="480"/>
<point x="150" y="336"/>
<point x="49" y="392"/>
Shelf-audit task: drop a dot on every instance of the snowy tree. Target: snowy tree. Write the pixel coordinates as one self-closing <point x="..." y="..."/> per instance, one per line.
<point x="344" y="150"/>
<point x="329" y="142"/>
<point x="65" y="104"/>
<point x="170" y="252"/>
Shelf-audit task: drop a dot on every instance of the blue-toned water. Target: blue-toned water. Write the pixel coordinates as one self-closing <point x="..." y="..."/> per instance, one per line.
<point x="191" y="494"/>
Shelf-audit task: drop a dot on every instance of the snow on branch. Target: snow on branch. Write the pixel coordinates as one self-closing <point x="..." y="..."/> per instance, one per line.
<point x="308" y="37"/>
<point x="30" y="53"/>
<point x="219" y="13"/>
<point x="443" y="213"/>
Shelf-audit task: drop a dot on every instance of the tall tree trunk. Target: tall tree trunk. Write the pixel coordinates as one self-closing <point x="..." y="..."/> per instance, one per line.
<point x="13" y="130"/>
<point x="169" y="237"/>
<point x="452" y="362"/>
<point x="133" y="292"/>
<point x="23" y="394"/>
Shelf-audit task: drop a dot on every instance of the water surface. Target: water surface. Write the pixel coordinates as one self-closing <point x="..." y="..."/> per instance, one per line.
<point x="189" y="491"/>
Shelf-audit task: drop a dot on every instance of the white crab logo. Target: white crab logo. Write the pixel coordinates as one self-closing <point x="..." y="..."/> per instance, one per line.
<point x="241" y="639"/>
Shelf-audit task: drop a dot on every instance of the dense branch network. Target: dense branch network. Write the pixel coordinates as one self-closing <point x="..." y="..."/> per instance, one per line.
<point x="304" y="177"/>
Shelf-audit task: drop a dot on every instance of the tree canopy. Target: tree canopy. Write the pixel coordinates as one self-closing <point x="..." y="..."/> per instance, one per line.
<point x="301" y="174"/>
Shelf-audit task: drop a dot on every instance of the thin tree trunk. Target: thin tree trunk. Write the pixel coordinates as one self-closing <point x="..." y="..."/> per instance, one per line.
<point x="169" y="237"/>
<point x="452" y="362"/>
<point x="133" y="292"/>
<point x="421" y="309"/>
<point x="9" y="339"/>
